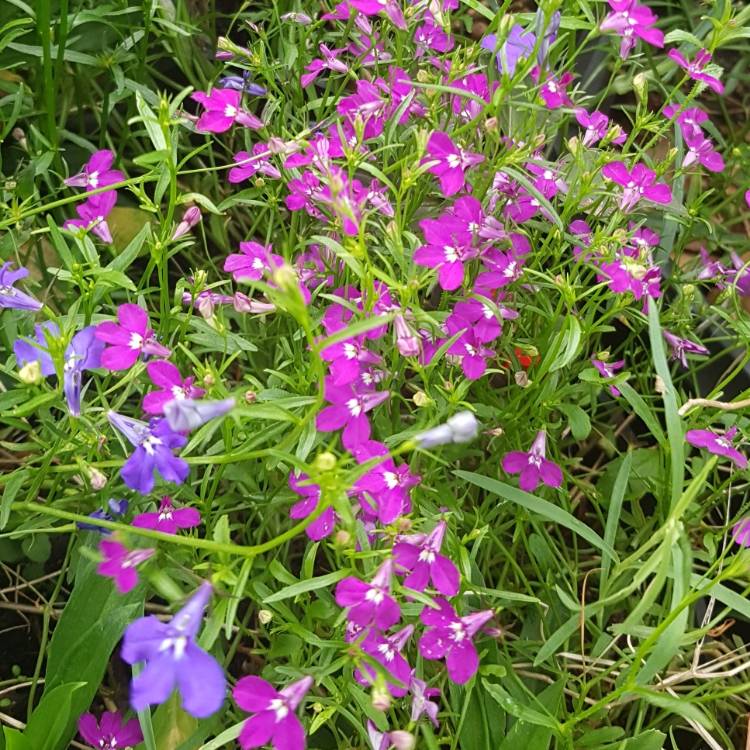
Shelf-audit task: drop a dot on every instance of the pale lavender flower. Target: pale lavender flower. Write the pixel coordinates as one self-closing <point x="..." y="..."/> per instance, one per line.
<point x="682" y="347"/>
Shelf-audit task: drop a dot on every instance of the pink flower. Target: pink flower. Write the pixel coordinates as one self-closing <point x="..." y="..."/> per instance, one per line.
<point x="390" y="7"/>
<point x="329" y="61"/>
<point x="608" y="370"/>
<point x="452" y="162"/>
<point x="348" y="410"/>
<point x="172" y="386"/>
<point x="421" y="703"/>
<point x="534" y="468"/>
<point x="695" y="68"/>
<point x="448" y="246"/>
<point x="741" y="532"/>
<point x="629" y="19"/>
<point x="597" y="127"/>
<point x="702" y="150"/>
<point x="478" y="86"/>
<point x="111" y="732"/>
<point x="120" y="564"/>
<point x="96" y="172"/>
<point x="168" y="519"/>
<point x="347" y="358"/>
<point x="449" y="637"/>
<point x="640" y="182"/>
<point x="429" y="36"/>
<point x="190" y="218"/>
<point x="253" y="262"/>
<point x="323" y="525"/>
<point x="223" y="109"/>
<point x="93" y="214"/>
<point x="719" y="445"/>
<point x="420" y="555"/>
<point x="370" y="603"/>
<point x="682" y="347"/>
<point x="251" y="164"/>
<point x="275" y="721"/>
<point x="386" y="649"/>
<point x="468" y="347"/>
<point x="689" y="120"/>
<point x="128" y="340"/>
<point x="553" y="90"/>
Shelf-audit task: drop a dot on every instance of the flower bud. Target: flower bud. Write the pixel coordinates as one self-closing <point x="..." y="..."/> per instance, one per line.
<point x="301" y="18"/>
<point x="343" y="538"/>
<point x="190" y="218"/>
<point x="490" y="124"/>
<point x="574" y="144"/>
<point x="401" y="740"/>
<point x="265" y="616"/>
<point x="640" y="86"/>
<point x="325" y="461"/>
<point x="31" y="373"/>
<point x="380" y="698"/>
<point x="407" y="342"/>
<point x="522" y="378"/>
<point x="209" y="380"/>
<point x="250" y="397"/>
<point x="97" y="479"/>
<point x="421" y="399"/>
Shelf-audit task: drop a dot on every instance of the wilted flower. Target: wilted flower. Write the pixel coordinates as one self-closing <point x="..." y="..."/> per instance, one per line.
<point x="682" y="347"/>
<point x="187" y="414"/>
<point x="190" y="218"/>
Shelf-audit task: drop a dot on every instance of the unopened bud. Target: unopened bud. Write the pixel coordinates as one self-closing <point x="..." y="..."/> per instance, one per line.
<point x="265" y="616"/>
<point x="325" y="461"/>
<point x="574" y="144"/>
<point x="380" y="698"/>
<point x="250" y="397"/>
<point x="31" y="373"/>
<point x="421" y="399"/>
<point x="401" y="740"/>
<point x="190" y="218"/>
<point x="209" y="380"/>
<point x="342" y="538"/>
<point x="20" y="137"/>
<point x="285" y="277"/>
<point x="521" y="378"/>
<point x="640" y="86"/>
<point x="659" y="385"/>
<point x="407" y="341"/>
<point x="97" y="479"/>
<point x="490" y="124"/>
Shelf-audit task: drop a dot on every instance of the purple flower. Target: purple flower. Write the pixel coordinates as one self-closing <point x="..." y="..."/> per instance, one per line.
<point x="275" y="721"/>
<point x="250" y="164"/>
<point x="96" y="172"/>
<point x="398" y="739"/>
<point x="187" y="414"/>
<point x="420" y="555"/>
<point x="597" y="127"/>
<point x="190" y="218"/>
<point x="682" y="347"/>
<point x="111" y="732"/>
<point x="93" y="215"/>
<point x="329" y="61"/>
<point x="448" y="246"/>
<point x="348" y="410"/>
<point x="120" y="564"/>
<point x="719" y="445"/>
<point x="629" y="19"/>
<point x="452" y="162"/>
<point x="13" y="298"/>
<point x="421" y="703"/>
<point x="370" y="603"/>
<point x="222" y="110"/>
<point x="701" y="150"/>
<point x="323" y="525"/>
<point x="640" y="182"/>
<point x="116" y="509"/>
<point x="553" y="90"/>
<point x="253" y="262"/>
<point x="83" y="353"/>
<point x="168" y="519"/>
<point x="533" y="466"/>
<point x="128" y="340"/>
<point x="608" y="370"/>
<point x="430" y="36"/>
<point x="689" y="120"/>
<point x="695" y="68"/>
<point x="347" y="358"/>
<point x="154" y="443"/>
<point x="171" y="386"/>
<point x="519" y="44"/>
<point x="386" y="649"/>
<point x="390" y="7"/>
<point x="173" y="659"/>
<point x="243" y="83"/>
<point x="449" y="637"/>
<point x="741" y="532"/>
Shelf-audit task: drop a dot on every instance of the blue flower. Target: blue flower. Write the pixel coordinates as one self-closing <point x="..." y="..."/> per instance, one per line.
<point x="11" y="297"/>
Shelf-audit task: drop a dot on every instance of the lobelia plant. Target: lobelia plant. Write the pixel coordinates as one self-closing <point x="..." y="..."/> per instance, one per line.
<point x="448" y="310"/>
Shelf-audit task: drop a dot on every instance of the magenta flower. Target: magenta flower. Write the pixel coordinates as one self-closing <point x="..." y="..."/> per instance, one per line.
<point x="93" y="215"/>
<point x="421" y="703"/>
<point x="420" y="555"/>
<point x="173" y="659"/>
<point x="478" y="86"/>
<point x="168" y="519"/>
<point x="448" y="246"/>
<point x="322" y="526"/>
<point x="689" y="120"/>
<point x="471" y="353"/>
<point x="222" y="109"/>
<point x="640" y="182"/>
<point x="608" y="370"/>
<point x="398" y="739"/>
<point x="111" y="732"/>
<point x="154" y="443"/>
<point x="682" y="347"/>
<point x="190" y="218"/>
<point x="250" y="164"/>
<point x="407" y="341"/>
<point x="329" y="61"/>
<point x="253" y="262"/>
<point x="386" y="649"/>
<point x="695" y="68"/>
<point x="372" y="7"/>
<point x="534" y="468"/>
<point x="629" y="19"/>
<point x="553" y="90"/>
<point x="430" y="36"/>
<point x="449" y="637"/>
<point x="96" y="172"/>
<point x="275" y="721"/>
<point x="129" y="339"/>
<point x="171" y="386"/>
<point x="12" y="298"/>
<point x="701" y="150"/>
<point x="719" y="445"/>
<point x="347" y="358"/>
<point x="120" y="564"/>
<point x="597" y="126"/>
<point x="452" y="162"/>
<point x="348" y="410"/>
<point x="370" y="603"/>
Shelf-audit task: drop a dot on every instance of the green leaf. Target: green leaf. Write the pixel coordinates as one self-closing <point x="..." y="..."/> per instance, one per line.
<point x="641" y="408"/>
<point x="521" y="711"/>
<point x="556" y="640"/>
<point x="613" y="517"/>
<point x="151" y="123"/>
<point x="13" y="483"/>
<point x="47" y="726"/>
<point x="675" y="705"/>
<point x="90" y="627"/>
<point x="302" y="587"/>
<point x="524" y="734"/>
<point x="650" y="740"/>
<point x="571" y="340"/>
<point x="14" y="740"/>
<point x="172" y="725"/>
<point x="580" y="424"/>
<point x="540" y="507"/>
